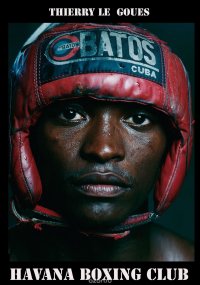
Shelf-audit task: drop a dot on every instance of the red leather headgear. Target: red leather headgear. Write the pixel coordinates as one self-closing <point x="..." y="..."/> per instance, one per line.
<point x="122" y="62"/>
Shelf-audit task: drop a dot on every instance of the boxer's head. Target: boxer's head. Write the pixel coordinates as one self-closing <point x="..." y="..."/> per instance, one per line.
<point x="93" y="105"/>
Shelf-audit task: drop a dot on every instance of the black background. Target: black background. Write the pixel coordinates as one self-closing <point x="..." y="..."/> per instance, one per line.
<point x="19" y="21"/>
<point x="181" y="38"/>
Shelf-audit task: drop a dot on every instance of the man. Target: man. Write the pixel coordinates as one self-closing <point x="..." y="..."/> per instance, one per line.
<point x="100" y="116"/>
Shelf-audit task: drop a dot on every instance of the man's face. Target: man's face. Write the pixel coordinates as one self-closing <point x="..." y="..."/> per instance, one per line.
<point x="98" y="160"/>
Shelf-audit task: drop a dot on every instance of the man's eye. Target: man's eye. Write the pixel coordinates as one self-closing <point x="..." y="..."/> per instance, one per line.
<point x="138" y="120"/>
<point x="71" y="115"/>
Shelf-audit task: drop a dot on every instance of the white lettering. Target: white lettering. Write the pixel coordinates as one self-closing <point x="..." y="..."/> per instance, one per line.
<point x="46" y="274"/>
<point x="27" y="275"/>
<point x="37" y="273"/>
<point x="15" y="274"/>
<point x="52" y="10"/>
<point x="85" y="274"/>
<point x="105" y="44"/>
<point x="125" y="273"/>
<point x="107" y="276"/>
<point x="72" y="11"/>
<point x="152" y="59"/>
<point x="120" y="11"/>
<point x="104" y="11"/>
<point x="133" y="11"/>
<point x="96" y="274"/>
<point x="57" y="273"/>
<point x="135" y="51"/>
<point x="183" y="274"/>
<point x="134" y="68"/>
<point x="91" y="11"/>
<point x="143" y="70"/>
<point x="69" y="275"/>
<point x="67" y="46"/>
<point x="149" y="273"/>
<point x="167" y="274"/>
<point x="146" y="11"/>
<point x="119" y="38"/>
<point x="126" y="12"/>
<point x="88" y="47"/>
<point x="59" y="11"/>
<point x="153" y="74"/>
<point x="136" y="274"/>
<point x="115" y="273"/>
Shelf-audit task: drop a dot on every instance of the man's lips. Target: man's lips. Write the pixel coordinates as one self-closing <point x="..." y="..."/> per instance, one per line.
<point x="99" y="184"/>
<point x="101" y="190"/>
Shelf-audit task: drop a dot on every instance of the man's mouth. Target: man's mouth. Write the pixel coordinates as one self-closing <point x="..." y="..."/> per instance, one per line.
<point x="98" y="184"/>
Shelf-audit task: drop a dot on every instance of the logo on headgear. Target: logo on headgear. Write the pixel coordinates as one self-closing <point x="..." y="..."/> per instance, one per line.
<point x="63" y="48"/>
<point x="102" y="50"/>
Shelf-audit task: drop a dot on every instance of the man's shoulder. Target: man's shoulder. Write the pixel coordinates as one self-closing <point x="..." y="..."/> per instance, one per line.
<point x="168" y="246"/>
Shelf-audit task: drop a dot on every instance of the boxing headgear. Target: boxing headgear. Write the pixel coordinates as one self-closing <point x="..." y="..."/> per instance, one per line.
<point x="119" y="62"/>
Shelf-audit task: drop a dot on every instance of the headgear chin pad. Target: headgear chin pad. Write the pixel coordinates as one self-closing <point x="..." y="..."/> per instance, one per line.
<point x="119" y="62"/>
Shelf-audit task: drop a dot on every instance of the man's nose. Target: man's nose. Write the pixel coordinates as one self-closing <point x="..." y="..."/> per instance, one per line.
<point x="103" y="141"/>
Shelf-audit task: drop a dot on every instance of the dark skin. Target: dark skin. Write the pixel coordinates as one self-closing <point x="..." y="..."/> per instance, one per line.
<point x="98" y="162"/>
<point x="98" y="143"/>
<point x="149" y="242"/>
